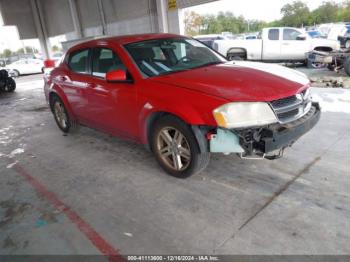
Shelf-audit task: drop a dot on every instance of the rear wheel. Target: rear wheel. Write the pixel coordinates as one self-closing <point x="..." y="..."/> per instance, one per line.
<point x="347" y="44"/>
<point x="10" y="85"/>
<point x="236" y="56"/>
<point x="176" y="149"/>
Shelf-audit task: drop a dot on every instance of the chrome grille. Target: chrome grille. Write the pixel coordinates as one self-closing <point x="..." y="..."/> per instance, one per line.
<point x="293" y="107"/>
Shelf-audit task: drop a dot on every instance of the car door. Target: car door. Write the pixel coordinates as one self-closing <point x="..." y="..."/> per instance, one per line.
<point x="35" y="65"/>
<point x="293" y="46"/>
<point x="74" y="81"/>
<point x="21" y="66"/>
<point x="271" y="49"/>
<point x="111" y="106"/>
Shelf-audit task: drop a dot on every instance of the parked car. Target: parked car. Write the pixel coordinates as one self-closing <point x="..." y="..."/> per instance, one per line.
<point x="208" y="40"/>
<point x="180" y="99"/>
<point x="344" y="39"/>
<point x="26" y="66"/>
<point x="315" y="34"/>
<point x="275" y="44"/>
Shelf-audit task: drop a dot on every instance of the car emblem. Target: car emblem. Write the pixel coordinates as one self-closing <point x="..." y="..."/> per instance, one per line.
<point x="299" y="97"/>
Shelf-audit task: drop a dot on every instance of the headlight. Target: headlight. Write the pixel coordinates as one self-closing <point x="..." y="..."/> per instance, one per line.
<point x="244" y="114"/>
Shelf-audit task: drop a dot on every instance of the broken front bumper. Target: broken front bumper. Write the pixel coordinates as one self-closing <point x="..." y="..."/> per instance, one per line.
<point x="266" y="140"/>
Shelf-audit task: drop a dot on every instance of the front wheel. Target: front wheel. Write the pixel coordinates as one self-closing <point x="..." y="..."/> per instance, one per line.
<point x="347" y="66"/>
<point x="176" y="148"/>
<point x="63" y="121"/>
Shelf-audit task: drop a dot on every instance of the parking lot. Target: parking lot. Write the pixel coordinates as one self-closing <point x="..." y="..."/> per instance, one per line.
<point x="89" y="193"/>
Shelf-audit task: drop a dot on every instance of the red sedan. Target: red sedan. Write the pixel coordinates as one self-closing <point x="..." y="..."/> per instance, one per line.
<point x="181" y="99"/>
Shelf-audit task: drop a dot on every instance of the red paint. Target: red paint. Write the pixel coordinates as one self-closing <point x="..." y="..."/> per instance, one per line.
<point x="116" y="76"/>
<point x="84" y="227"/>
<point x="123" y="109"/>
<point x="48" y="63"/>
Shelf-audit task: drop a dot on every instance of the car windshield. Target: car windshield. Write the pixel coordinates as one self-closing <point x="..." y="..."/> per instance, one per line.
<point x="166" y="56"/>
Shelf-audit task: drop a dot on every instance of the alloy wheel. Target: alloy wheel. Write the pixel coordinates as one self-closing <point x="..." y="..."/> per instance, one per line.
<point x="60" y="114"/>
<point x="173" y="148"/>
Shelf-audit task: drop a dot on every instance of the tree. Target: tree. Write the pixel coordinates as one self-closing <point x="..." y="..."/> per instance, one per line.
<point x="55" y="48"/>
<point x="193" y="23"/>
<point x="296" y="14"/>
<point x="327" y="12"/>
<point x="7" y="53"/>
<point x="344" y="12"/>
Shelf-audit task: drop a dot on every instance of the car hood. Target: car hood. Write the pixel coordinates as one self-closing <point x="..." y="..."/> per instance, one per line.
<point x="240" y="81"/>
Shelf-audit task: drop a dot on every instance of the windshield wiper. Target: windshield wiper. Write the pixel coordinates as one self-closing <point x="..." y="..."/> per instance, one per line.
<point x="172" y="72"/>
<point x="210" y="63"/>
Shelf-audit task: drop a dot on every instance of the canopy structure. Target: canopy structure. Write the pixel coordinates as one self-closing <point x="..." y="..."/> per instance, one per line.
<point x="79" y="19"/>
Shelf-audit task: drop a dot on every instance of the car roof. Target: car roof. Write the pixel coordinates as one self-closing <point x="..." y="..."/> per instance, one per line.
<point x="122" y="40"/>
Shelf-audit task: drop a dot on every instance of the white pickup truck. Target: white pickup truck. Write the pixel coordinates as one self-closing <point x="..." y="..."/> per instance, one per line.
<point x="275" y="44"/>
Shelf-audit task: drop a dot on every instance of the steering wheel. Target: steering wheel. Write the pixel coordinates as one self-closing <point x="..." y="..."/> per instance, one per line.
<point x="184" y="59"/>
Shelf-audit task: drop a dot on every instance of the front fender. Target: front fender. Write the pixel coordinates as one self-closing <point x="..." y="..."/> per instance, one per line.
<point x="54" y="89"/>
<point x="187" y="112"/>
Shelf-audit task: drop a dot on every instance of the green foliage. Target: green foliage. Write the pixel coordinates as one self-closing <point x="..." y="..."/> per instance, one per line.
<point x="223" y="22"/>
<point x="298" y="14"/>
<point x="295" y="14"/>
<point x="7" y="53"/>
<point x="55" y="48"/>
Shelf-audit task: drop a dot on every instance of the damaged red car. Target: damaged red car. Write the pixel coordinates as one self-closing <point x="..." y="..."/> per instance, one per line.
<point x="181" y="99"/>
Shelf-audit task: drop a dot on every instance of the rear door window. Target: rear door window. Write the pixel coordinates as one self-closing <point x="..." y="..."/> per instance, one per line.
<point x="290" y="34"/>
<point x="79" y="61"/>
<point x="274" y="34"/>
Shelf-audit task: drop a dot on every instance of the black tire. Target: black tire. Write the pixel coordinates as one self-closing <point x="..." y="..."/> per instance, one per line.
<point x="347" y="66"/>
<point x="195" y="161"/>
<point x="236" y="56"/>
<point x="62" y="118"/>
<point x="3" y="74"/>
<point x="10" y="85"/>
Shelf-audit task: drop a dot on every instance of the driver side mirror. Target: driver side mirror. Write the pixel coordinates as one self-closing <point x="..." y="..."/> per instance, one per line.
<point x="301" y="37"/>
<point x="118" y="76"/>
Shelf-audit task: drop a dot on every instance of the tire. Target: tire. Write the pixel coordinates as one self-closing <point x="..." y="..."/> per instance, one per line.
<point x="10" y="85"/>
<point x="176" y="148"/>
<point x="347" y="66"/>
<point x="3" y="74"/>
<point x="62" y="118"/>
<point x="236" y="57"/>
<point x="347" y="44"/>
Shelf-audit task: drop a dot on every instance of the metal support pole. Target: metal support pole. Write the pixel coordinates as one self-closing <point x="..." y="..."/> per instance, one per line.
<point x="102" y="17"/>
<point x="76" y="19"/>
<point x="162" y="13"/>
<point x="40" y="28"/>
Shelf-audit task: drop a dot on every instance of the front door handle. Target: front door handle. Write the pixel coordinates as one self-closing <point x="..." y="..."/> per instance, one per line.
<point x="63" y="78"/>
<point x="92" y="85"/>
